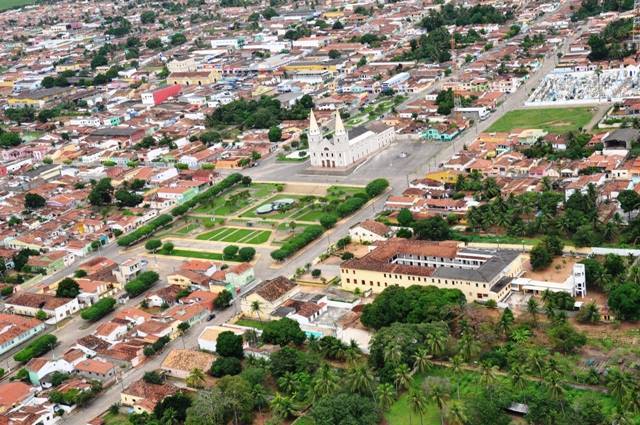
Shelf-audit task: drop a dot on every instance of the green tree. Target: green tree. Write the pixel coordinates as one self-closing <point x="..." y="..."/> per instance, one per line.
<point x="229" y="344"/>
<point x="283" y="332"/>
<point x="385" y="396"/>
<point x="275" y="134"/>
<point x="34" y="201"/>
<point x="624" y="300"/>
<point x="196" y="378"/>
<point x="67" y="288"/>
<point x="223" y="300"/>
<point x="405" y="217"/>
<point x="152" y="245"/>
<point x="102" y="192"/>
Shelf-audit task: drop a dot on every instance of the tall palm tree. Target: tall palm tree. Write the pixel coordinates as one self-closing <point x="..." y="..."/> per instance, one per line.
<point x="259" y="396"/>
<point x="619" y="384"/>
<point x="256" y="307"/>
<point x="360" y="379"/>
<point x="488" y="374"/>
<point x="421" y="361"/>
<point x="438" y="394"/>
<point x="196" y="378"/>
<point x="402" y="377"/>
<point x="385" y="396"/>
<point x="456" y="368"/>
<point x="468" y="346"/>
<point x="417" y="403"/>
<point x="282" y="406"/>
<point x="393" y="353"/>
<point x="287" y="383"/>
<point x="325" y="382"/>
<point x="537" y="361"/>
<point x="436" y="342"/>
<point x="456" y="414"/>
<point x="532" y="309"/>
<point x="518" y="379"/>
<point x="621" y="417"/>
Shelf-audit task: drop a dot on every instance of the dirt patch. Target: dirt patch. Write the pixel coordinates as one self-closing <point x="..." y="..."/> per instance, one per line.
<point x="559" y="270"/>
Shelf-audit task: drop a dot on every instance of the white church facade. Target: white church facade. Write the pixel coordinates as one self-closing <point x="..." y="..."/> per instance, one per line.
<point x="345" y="149"/>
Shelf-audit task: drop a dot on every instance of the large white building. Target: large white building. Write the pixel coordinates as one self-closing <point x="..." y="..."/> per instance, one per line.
<point x="346" y="148"/>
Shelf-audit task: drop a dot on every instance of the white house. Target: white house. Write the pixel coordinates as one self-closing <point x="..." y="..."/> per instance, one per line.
<point x="28" y="304"/>
<point x="370" y="231"/>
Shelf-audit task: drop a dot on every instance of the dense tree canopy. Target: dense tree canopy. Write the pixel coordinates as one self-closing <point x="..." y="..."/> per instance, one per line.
<point x="415" y="304"/>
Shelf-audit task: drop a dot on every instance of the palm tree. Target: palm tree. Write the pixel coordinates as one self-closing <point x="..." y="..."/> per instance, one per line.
<point x="456" y="368"/>
<point x="467" y="346"/>
<point x="287" y="383"/>
<point x="360" y="379"/>
<point x="417" y="403"/>
<point x="633" y="275"/>
<point x="196" y="378"/>
<point x="259" y="396"/>
<point x="532" y="309"/>
<point x="620" y="417"/>
<point x="393" y="353"/>
<point x="518" y="380"/>
<point x="436" y="342"/>
<point x="353" y="352"/>
<point x="537" y="361"/>
<point x="325" y="382"/>
<point x="421" y="361"/>
<point x="385" y="396"/>
<point x="455" y="413"/>
<point x="438" y="394"/>
<point x="402" y="377"/>
<point x="256" y="307"/>
<point x="282" y="406"/>
<point x="554" y="385"/>
<point x="619" y="384"/>
<point x="488" y="374"/>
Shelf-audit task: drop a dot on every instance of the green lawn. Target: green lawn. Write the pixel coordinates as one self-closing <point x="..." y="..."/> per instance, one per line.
<point x="232" y="234"/>
<point x="304" y="420"/>
<point x="117" y="419"/>
<point x="553" y="120"/>
<point x="251" y="323"/>
<point x="188" y="228"/>
<point x="8" y="4"/>
<point x="309" y="214"/>
<point x="275" y="214"/>
<point x="205" y="255"/>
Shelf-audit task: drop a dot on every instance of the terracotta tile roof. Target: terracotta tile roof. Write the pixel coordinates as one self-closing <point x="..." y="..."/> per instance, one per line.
<point x="12" y="393"/>
<point x="187" y="360"/>
<point x="152" y="392"/>
<point x="41" y="301"/>
<point x="273" y="289"/>
<point x="94" y="366"/>
<point x="375" y="227"/>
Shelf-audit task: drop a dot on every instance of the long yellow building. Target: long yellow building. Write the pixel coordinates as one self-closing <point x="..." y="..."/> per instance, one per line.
<point x="481" y="275"/>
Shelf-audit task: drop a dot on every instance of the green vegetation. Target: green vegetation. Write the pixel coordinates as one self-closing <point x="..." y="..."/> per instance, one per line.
<point x="142" y="283"/>
<point x="39" y="346"/>
<point x="609" y="44"/>
<point x="553" y="120"/>
<point x="205" y="255"/>
<point x="232" y="234"/>
<point x="98" y="310"/>
<point x="10" y="4"/>
<point x="251" y="323"/>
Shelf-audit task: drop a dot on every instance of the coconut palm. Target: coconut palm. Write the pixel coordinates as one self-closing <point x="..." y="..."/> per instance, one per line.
<point x="456" y="368"/>
<point x="532" y="309"/>
<point x="553" y="383"/>
<point x="421" y="361"/>
<point x="518" y="380"/>
<point x="325" y="382"/>
<point x="467" y="346"/>
<point x="259" y="396"/>
<point x="196" y="378"/>
<point x="287" y="383"/>
<point x="488" y="374"/>
<point x="537" y="362"/>
<point x="619" y="384"/>
<point x="385" y="396"/>
<point x="417" y="403"/>
<point x="455" y="413"/>
<point x="402" y="377"/>
<point x="360" y="379"/>
<point x="393" y="353"/>
<point x="282" y="406"/>
<point x="620" y="417"/>
<point x="256" y="307"/>
<point x="438" y="394"/>
<point x="436" y="342"/>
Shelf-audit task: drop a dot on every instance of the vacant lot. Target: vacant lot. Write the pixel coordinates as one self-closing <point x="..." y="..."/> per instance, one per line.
<point x="553" y="120"/>
<point x="232" y="234"/>
<point x="9" y="4"/>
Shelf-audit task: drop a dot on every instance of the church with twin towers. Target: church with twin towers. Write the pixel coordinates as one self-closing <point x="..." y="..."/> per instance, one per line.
<point x="346" y="149"/>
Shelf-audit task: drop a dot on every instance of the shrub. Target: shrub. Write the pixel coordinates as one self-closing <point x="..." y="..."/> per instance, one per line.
<point x="67" y="288"/>
<point x="316" y="272"/>
<point x="346" y="256"/>
<point x="223" y="300"/>
<point x="224" y="366"/>
<point x="153" y="245"/>
<point x="246" y="254"/>
<point x="297" y="242"/>
<point x="229" y="344"/>
<point x="145" y="230"/>
<point x="376" y="187"/>
<point x="38" y="347"/>
<point x="350" y="205"/>
<point x="283" y="332"/>
<point x="230" y="252"/>
<point x="6" y="291"/>
<point x="328" y="220"/>
<point x="141" y="283"/>
<point x="98" y="310"/>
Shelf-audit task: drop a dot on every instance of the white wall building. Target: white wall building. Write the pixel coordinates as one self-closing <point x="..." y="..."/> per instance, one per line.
<point x="345" y="148"/>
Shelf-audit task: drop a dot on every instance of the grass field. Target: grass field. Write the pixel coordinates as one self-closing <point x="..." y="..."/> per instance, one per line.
<point x="9" y="4"/>
<point x="118" y="419"/>
<point x="553" y="120"/>
<point x="275" y="214"/>
<point x="251" y="323"/>
<point x="186" y="229"/>
<point x="232" y="234"/>
<point x="308" y="214"/>
<point x="204" y="255"/>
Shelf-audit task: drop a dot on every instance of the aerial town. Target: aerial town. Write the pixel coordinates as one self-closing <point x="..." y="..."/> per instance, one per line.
<point x="384" y="212"/>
